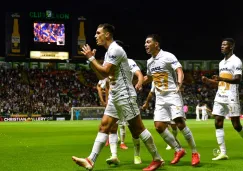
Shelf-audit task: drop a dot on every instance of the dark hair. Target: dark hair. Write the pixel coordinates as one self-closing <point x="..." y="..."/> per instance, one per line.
<point x="230" y="40"/>
<point x="122" y="44"/>
<point x="155" y="38"/>
<point x="108" y="28"/>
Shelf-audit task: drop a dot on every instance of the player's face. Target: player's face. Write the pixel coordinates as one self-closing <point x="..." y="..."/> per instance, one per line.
<point x="100" y="36"/>
<point x="226" y="47"/>
<point x="150" y="45"/>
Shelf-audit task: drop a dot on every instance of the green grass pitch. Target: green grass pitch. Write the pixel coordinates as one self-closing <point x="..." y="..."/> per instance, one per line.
<point x="49" y="146"/>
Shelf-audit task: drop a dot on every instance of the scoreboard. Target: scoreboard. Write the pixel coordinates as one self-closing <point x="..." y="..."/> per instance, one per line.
<point x="44" y="35"/>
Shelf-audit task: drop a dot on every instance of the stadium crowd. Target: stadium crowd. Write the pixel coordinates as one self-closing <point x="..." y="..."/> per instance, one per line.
<point x="50" y="92"/>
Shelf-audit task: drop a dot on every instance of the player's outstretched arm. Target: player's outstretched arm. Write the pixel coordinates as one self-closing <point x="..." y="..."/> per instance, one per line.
<point x="139" y="84"/>
<point x="211" y="82"/>
<point x="148" y="99"/>
<point x="235" y="80"/>
<point x="147" y="79"/>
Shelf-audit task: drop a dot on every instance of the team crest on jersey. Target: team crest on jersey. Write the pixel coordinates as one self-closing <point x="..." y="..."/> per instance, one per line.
<point x="237" y="68"/>
<point x="113" y="57"/>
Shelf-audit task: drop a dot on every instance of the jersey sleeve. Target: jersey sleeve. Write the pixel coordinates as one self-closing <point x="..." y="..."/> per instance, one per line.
<point x="173" y="61"/>
<point x="238" y="68"/>
<point x="133" y="66"/>
<point x="114" y="56"/>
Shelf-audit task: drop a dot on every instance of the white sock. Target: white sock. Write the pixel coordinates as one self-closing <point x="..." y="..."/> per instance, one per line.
<point x="98" y="145"/>
<point x="241" y="133"/>
<point x="113" y="139"/>
<point x="147" y="139"/>
<point x="136" y="143"/>
<point x="189" y="137"/>
<point x="170" y="139"/>
<point x="122" y="133"/>
<point x="175" y="132"/>
<point x="220" y="140"/>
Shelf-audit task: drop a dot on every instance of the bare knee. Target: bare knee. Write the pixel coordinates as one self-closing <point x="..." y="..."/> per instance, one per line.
<point x="160" y="126"/>
<point x="219" y="122"/>
<point x="180" y="123"/>
<point x="136" y="126"/>
<point x="236" y="123"/>
<point x="114" y="128"/>
<point x="106" y="124"/>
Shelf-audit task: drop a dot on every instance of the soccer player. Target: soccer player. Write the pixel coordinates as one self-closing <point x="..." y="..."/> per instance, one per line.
<point x="205" y="111"/>
<point x="122" y="100"/>
<point x="198" y="108"/>
<point x="170" y="124"/>
<point x="122" y="123"/>
<point x="166" y="72"/>
<point x="227" y="97"/>
<point x="103" y="91"/>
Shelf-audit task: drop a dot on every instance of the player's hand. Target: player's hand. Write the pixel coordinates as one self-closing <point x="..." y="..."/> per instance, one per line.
<point x="87" y="51"/>
<point x="145" y="106"/>
<point x="204" y="79"/>
<point x="178" y="87"/>
<point x="216" y="77"/>
<point x="103" y="103"/>
<point x="138" y="86"/>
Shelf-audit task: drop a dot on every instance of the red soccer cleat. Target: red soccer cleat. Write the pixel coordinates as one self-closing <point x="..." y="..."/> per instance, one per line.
<point x="107" y="142"/>
<point x="154" y="165"/>
<point x="178" y="155"/>
<point x="123" y="146"/>
<point x="195" y="159"/>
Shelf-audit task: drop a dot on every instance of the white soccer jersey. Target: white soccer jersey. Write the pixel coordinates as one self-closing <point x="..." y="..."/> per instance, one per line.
<point x="162" y="69"/>
<point x="102" y="83"/>
<point x="228" y="93"/>
<point x="121" y="82"/>
<point x="133" y="66"/>
<point x="152" y="87"/>
<point x="204" y="110"/>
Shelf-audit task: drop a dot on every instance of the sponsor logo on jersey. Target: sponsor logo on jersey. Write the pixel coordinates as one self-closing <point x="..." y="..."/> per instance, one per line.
<point x="156" y="69"/>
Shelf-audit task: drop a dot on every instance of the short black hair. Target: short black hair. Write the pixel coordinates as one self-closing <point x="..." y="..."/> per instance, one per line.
<point x="108" y="27"/>
<point x="122" y="44"/>
<point x="155" y="38"/>
<point x="230" y="40"/>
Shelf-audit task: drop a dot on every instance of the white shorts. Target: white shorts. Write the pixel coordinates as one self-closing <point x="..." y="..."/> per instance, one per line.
<point x="171" y="108"/>
<point x="124" y="109"/>
<point x="222" y="109"/>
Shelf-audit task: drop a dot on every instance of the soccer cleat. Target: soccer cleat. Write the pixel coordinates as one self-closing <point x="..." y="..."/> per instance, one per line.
<point x="221" y="157"/>
<point x="178" y="155"/>
<point x="123" y="146"/>
<point x="168" y="147"/>
<point x="107" y="142"/>
<point x="86" y="163"/>
<point x="195" y="159"/>
<point x="137" y="160"/>
<point x="154" y="165"/>
<point x="113" y="160"/>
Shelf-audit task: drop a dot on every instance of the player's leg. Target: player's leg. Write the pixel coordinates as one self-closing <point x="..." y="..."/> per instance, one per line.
<point x="122" y="125"/>
<point x="129" y="109"/>
<point x="162" y="119"/>
<point x="108" y="120"/>
<point x="175" y="131"/>
<point x="113" y="140"/>
<point x="136" y="146"/>
<point x="197" y="115"/>
<point x="106" y="123"/>
<point x="235" y="118"/>
<point x="168" y="147"/>
<point x="219" y="111"/>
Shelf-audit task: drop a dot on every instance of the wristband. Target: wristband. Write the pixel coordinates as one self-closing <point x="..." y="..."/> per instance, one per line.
<point x="91" y="58"/>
